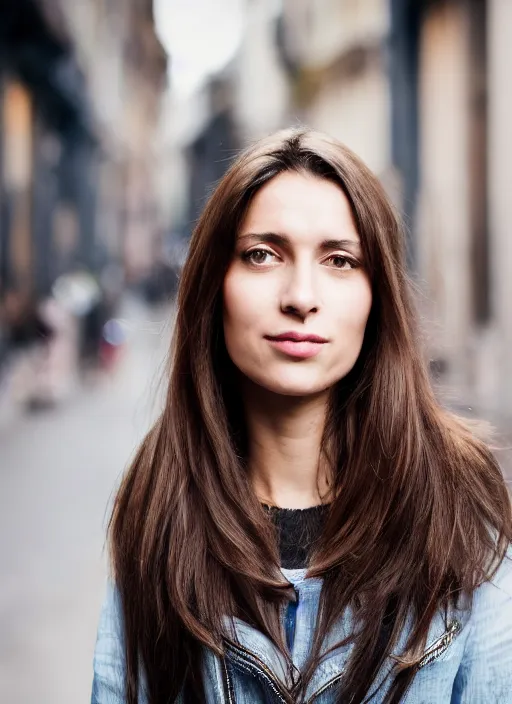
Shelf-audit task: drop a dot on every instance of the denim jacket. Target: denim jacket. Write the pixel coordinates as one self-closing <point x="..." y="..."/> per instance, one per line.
<point x="467" y="659"/>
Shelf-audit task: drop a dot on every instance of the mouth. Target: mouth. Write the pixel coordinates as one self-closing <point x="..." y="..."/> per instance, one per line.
<point x="297" y="345"/>
<point x="296" y="337"/>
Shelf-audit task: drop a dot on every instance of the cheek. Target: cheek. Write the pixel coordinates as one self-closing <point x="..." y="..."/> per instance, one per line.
<point x="363" y="305"/>
<point x="233" y="310"/>
<point x="350" y="318"/>
<point x="353" y="309"/>
<point x="243" y="304"/>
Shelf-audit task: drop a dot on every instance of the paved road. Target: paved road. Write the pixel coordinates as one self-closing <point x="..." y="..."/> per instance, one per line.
<point x="57" y="474"/>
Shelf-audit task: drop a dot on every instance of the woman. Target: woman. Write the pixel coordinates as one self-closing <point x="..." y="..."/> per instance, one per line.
<point x="305" y="523"/>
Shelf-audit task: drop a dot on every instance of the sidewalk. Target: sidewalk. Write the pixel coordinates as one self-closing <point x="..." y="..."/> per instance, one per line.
<point x="58" y="473"/>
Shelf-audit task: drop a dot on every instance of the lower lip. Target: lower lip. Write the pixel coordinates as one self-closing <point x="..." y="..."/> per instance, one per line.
<point x="300" y="350"/>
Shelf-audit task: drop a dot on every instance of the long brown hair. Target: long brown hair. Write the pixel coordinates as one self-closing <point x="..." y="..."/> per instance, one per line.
<point x="420" y="516"/>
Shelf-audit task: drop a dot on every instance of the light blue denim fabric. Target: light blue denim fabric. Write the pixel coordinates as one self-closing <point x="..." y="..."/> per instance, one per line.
<point x="468" y="658"/>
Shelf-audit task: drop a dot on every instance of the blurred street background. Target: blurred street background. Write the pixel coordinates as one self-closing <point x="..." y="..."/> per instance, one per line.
<point x="116" y="119"/>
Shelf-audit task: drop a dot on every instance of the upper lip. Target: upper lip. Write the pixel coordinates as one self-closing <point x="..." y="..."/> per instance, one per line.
<point x="296" y="337"/>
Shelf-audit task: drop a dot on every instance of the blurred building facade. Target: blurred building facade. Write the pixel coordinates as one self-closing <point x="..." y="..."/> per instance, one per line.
<point x="81" y="84"/>
<point x="463" y="215"/>
<point x="262" y="100"/>
<point x="339" y="72"/>
<point x="81" y="87"/>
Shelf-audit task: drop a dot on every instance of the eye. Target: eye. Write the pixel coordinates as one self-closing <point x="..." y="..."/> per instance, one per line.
<point x="258" y="256"/>
<point x="339" y="261"/>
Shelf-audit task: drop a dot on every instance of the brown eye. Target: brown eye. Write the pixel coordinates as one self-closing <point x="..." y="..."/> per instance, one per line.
<point x="341" y="262"/>
<point x="258" y="256"/>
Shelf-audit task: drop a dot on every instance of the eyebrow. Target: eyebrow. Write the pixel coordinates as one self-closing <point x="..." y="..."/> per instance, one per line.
<point x="284" y="241"/>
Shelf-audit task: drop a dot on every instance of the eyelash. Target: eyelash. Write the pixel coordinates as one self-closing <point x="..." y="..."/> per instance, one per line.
<point x="246" y="257"/>
<point x="351" y="262"/>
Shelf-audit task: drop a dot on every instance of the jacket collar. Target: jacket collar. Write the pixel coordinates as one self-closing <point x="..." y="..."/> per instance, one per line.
<point x="333" y="660"/>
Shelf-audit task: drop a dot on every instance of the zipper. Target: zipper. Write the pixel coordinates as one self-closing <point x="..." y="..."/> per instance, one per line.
<point x="228" y="687"/>
<point x="432" y="653"/>
<point x="246" y="658"/>
<point x="441" y="644"/>
<point x="251" y="662"/>
<point x="328" y="685"/>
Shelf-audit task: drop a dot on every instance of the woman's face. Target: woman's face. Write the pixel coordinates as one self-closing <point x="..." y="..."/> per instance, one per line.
<point x="296" y="294"/>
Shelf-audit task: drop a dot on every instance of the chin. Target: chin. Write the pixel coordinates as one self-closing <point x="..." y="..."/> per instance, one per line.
<point x="293" y="387"/>
<point x="299" y="393"/>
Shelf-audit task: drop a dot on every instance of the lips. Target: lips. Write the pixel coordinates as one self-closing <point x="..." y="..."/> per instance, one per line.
<point x="297" y="345"/>
<point x="296" y="337"/>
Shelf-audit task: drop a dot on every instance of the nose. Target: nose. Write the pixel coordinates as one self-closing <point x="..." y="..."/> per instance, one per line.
<point x="299" y="296"/>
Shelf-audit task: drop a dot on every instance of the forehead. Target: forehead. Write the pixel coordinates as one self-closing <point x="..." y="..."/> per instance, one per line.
<point x="301" y="204"/>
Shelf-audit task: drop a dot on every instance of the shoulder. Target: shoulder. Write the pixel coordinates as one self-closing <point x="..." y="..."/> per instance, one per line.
<point x="499" y="588"/>
<point x="109" y="685"/>
<point x="111" y="615"/>
<point x="109" y="659"/>
<point x="485" y="672"/>
<point x="490" y="619"/>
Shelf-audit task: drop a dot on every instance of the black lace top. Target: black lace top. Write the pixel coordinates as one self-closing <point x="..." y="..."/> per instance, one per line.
<point x="298" y="530"/>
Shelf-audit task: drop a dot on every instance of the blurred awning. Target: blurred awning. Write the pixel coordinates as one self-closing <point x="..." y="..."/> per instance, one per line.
<point x="34" y="46"/>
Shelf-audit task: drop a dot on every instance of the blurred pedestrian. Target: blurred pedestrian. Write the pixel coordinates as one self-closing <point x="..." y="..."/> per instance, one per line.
<point x="58" y="369"/>
<point x="305" y="522"/>
<point x="79" y="292"/>
<point x="30" y="337"/>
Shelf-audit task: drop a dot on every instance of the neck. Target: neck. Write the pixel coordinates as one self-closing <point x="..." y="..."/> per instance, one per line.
<point x="285" y="433"/>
